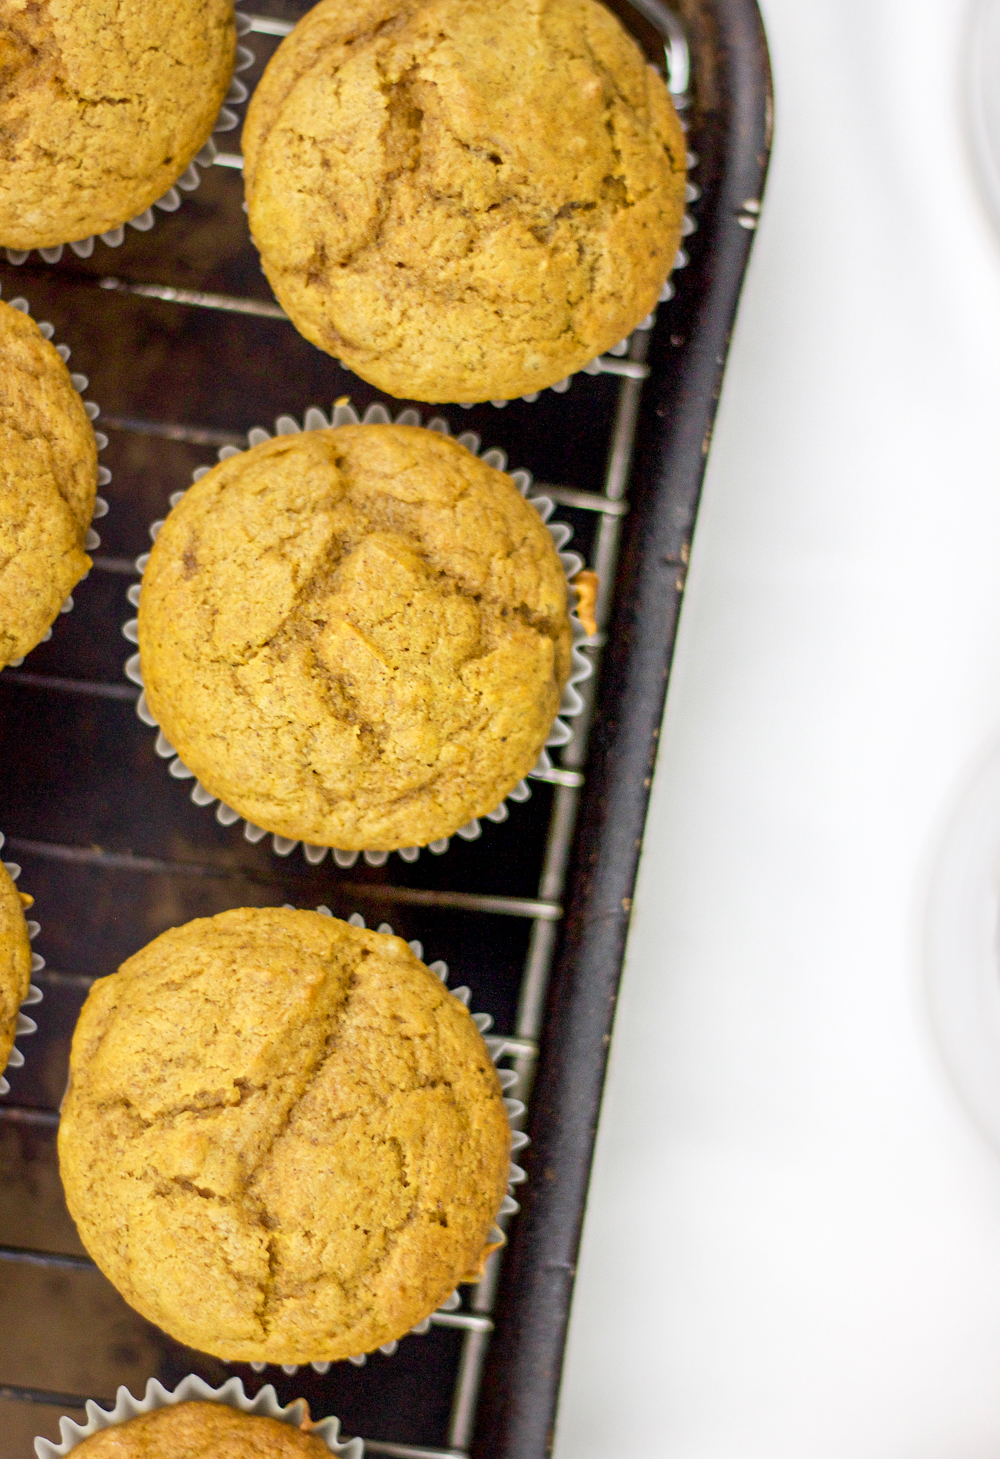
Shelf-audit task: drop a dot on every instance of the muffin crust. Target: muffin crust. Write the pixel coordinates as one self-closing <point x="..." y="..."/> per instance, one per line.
<point x="284" y="1140"/>
<point x="103" y="104"/>
<point x="463" y="201"/>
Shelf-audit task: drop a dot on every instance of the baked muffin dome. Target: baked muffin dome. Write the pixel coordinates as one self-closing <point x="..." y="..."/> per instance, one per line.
<point x="48" y="481"/>
<point x="199" y="1430"/>
<point x="357" y="637"/>
<point x="15" y="962"/>
<point x="463" y="201"/>
<point x="284" y="1140"/>
<point x="102" y="107"/>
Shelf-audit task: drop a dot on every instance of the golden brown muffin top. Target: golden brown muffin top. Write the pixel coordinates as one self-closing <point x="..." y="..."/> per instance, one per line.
<point x="103" y="104"/>
<point x="464" y="201"/>
<point x="284" y="1140"/>
<point x="15" y="962"/>
<point x="358" y="637"/>
<point x="200" y="1430"/>
<point x="48" y="481"/>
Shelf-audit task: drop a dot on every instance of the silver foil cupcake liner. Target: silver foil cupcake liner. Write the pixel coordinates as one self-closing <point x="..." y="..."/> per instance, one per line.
<point x="442" y="1317"/>
<point x="571" y="705"/>
<point x="264" y="1404"/>
<point x="25" y="1025"/>
<point x="188" y="181"/>
<point x="80" y="382"/>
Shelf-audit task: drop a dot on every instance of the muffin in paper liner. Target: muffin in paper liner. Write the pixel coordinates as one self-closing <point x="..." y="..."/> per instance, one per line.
<point x="341" y="312"/>
<point x="189" y="180"/>
<point x="514" y="1107"/>
<point x="80" y="383"/>
<point x="614" y="361"/>
<point x="25" y="1025"/>
<point x="192" y="1388"/>
<point x="570" y="706"/>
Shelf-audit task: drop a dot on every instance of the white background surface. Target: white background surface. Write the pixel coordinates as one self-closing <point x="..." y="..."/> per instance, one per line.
<point x="793" y="1240"/>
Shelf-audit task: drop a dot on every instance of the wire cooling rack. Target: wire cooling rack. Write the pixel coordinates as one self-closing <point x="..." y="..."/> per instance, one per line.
<point x="186" y="351"/>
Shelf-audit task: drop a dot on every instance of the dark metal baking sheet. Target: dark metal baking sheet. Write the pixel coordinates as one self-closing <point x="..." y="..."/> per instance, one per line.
<point x="114" y="851"/>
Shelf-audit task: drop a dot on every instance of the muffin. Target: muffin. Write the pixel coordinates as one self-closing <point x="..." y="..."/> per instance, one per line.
<point x="463" y="202"/>
<point x="102" y="107"/>
<point x="198" y="1430"/>
<point x="15" y="961"/>
<point x="48" y="481"/>
<point x="284" y="1141"/>
<point x="357" y="637"/>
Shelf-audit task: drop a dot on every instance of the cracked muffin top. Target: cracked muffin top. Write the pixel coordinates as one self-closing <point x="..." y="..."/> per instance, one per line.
<point x="15" y="961"/>
<point x="201" y="1430"/>
<point x="356" y="637"/>
<point x="284" y="1140"/>
<point x="103" y="104"/>
<point x="463" y="201"/>
<point x="48" y="481"/>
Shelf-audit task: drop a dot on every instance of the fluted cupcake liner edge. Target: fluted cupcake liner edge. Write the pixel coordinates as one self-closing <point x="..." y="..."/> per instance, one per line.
<point x="264" y="1404"/>
<point x="25" y="1025"/>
